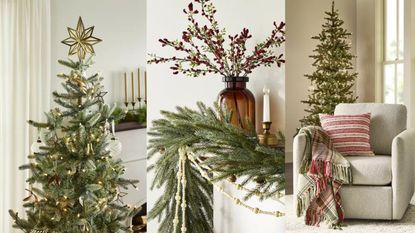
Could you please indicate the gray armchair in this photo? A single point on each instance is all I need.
(383, 185)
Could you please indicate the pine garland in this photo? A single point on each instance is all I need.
(221, 150)
(332, 81)
(237, 201)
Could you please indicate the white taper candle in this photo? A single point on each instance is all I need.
(113, 127)
(266, 117)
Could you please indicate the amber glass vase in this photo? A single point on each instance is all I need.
(238, 99)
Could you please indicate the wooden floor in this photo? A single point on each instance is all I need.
(288, 178)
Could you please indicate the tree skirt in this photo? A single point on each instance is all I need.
(405, 225)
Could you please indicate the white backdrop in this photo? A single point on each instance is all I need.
(165, 19)
(24, 93)
(121, 24)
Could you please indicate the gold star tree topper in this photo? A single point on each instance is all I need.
(80, 40)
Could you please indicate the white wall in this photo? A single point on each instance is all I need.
(368, 49)
(122, 27)
(165, 19)
(409, 60)
(304, 20)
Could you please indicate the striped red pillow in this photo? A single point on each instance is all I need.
(349, 133)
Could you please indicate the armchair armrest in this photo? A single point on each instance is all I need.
(299, 145)
(403, 152)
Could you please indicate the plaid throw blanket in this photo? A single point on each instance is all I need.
(322, 172)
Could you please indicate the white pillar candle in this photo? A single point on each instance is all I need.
(266, 117)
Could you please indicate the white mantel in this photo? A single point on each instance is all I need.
(133, 155)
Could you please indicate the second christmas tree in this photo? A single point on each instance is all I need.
(333, 79)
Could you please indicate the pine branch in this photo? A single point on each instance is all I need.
(227, 150)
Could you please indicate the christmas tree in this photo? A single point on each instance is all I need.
(75, 184)
(333, 79)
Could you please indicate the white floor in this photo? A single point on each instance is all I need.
(406, 225)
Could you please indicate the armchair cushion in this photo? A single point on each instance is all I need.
(369, 170)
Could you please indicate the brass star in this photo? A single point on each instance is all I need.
(80, 40)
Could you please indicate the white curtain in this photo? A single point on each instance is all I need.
(24, 93)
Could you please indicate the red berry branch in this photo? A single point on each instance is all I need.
(203, 47)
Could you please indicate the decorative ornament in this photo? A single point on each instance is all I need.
(114, 146)
(35, 148)
(100, 96)
(80, 40)
(89, 149)
(80, 82)
(55, 179)
(32, 198)
(107, 127)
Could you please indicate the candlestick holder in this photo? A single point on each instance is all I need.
(139, 102)
(126, 104)
(133, 104)
(145, 102)
(267, 138)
